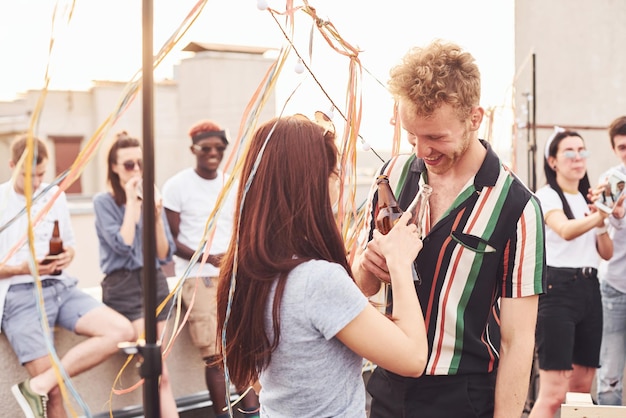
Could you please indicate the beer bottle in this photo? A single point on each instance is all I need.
(388, 209)
(56, 245)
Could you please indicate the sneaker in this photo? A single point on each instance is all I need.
(33, 404)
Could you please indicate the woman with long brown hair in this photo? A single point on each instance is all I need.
(291, 316)
(119, 225)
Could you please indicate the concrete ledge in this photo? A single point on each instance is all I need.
(94, 386)
(580, 405)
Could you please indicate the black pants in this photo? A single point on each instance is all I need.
(462, 396)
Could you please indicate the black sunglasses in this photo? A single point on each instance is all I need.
(130, 165)
(205, 149)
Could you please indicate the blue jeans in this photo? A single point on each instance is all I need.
(613, 351)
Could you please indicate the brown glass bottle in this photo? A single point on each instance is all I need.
(56, 245)
(388, 209)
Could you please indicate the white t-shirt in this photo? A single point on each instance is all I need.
(194, 198)
(313, 374)
(614, 270)
(579, 252)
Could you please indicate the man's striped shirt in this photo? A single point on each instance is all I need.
(489, 244)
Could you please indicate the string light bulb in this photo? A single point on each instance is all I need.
(365, 146)
(331, 112)
(261, 5)
(299, 68)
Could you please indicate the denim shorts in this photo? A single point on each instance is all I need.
(122, 290)
(569, 320)
(64, 303)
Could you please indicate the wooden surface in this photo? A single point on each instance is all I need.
(580, 405)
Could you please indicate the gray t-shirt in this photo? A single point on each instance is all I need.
(312, 374)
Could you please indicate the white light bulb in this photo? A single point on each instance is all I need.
(261, 5)
(365, 146)
(299, 68)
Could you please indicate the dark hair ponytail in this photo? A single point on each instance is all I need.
(583, 185)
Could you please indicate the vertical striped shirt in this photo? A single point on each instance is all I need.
(489, 244)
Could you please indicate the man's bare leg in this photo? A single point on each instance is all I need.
(106, 329)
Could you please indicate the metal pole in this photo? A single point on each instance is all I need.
(534, 126)
(151, 366)
(530, 155)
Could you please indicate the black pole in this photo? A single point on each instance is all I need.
(151, 366)
(530, 152)
(534, 125)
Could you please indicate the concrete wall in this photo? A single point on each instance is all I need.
(212, 85)
(580, 74)
(208, 85)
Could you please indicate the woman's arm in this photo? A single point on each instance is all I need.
(569, 229)
(398, 344)
(132, 213)
(365, 263)
(109, 220)
(604, 243)
(162, 243)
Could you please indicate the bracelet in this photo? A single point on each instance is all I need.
(601, 230)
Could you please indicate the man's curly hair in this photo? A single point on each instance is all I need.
(440, 73)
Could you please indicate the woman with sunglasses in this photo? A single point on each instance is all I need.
(119, 227)
(569, 319)
(297, 322)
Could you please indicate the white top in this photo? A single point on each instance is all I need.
(579, 252)
(11, 203)
(194, 198)
(614, 270)
(312, 374)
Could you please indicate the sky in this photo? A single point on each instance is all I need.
(102, 41)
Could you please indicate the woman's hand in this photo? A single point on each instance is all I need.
(402, 244)
(594, 194)
(158, 203)
(131, 189)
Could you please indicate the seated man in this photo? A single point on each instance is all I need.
(65, 305)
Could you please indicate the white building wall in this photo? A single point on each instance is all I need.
(209, 85)
(580, 73)
(212, 85)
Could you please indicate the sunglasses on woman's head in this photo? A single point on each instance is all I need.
(130, 165)
(321, 119)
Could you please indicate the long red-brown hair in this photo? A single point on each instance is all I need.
(285, 219)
